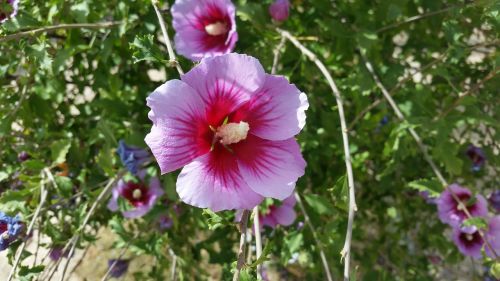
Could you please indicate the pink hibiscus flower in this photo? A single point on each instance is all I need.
(232, 126)
(279, 10)
(283, 214)
(204, 28)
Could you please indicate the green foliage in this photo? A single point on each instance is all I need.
(67, 96)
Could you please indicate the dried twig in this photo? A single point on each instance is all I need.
(315, 236)
(346, 250)
(241, 249)
(258, 239)
(34, 32)
(276, 52)
(168, 43)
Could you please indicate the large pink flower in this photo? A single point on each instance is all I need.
(204, 27)
(232, 126)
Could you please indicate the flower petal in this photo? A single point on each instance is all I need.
(275, 112)
(213, 181)
(225, 83)
(270, 168)
(115, 193)
(285, 215)
(179, 132)
(493, 236)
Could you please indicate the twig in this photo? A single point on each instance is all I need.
(277, 54)
(76, 237)
(43, 197)
(168, 43)
(258, 241)
(241, 250)
(346, 250)
(173, 276)
(34, 32)
(419, 17)
(422, 147)
(469, 92)
(315, 236)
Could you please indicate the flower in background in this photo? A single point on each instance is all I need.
(10, 228)
(165, 222)
(232, 126)
(494, 199)
(139, 196)
(453, 214)
(427, 197)
(8, 9)
(132, 157)
(469, 240)
(279, 10)
(283, 214)
(204, 28)
(23, 156)
(476, 155)
(56, 252)
(117, 267)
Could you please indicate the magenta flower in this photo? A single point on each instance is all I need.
(204, 28)
(476, 155)
(284, 214)
(8, 9)
(140, 197)
(469, 240)
(451, 213)
(279, 10)
(233, 127)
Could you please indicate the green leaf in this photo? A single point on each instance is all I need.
(477, 222)
(214, 221)
(432, 186)
(319, 204)
(3, 176)
(495, 270)
(263, 257)
(59, 151)
(146, 50)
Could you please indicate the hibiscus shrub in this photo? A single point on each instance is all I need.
(112, 131)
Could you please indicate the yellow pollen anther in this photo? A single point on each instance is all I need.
(216, 28)
(232, 132)
(137, 194)
(461, 207)
(5, 236)
(469, 237)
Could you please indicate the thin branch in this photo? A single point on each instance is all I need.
(76, 237)
(422, 147)
(241, 250)
(419, 17)
(34, 32)
(258, 241)
(276, 52)
(473, 89)
(346, 250)
(173, 276)
(43, 197)
(168, 43)
(326, 267)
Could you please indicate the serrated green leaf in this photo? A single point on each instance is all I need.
(432, 186)
(146, 50)
(59, 149)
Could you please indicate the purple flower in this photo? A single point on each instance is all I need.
(469, 240)
(279, 10)
(494, 199)
(232, 127)
(204, 28)
(165, 222)
(451, 213)
(284, 214)
(118, 267)
(10, 228)
(57, 252)
(427, 197)
(8, 9)
(132, 157)
(23, 156)
(140, 197)
(476, 155)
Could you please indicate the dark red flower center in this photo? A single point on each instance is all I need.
(6, 9)
(136, 194)
(471, 239)
(465, 199)
(3, 227)
(215, 25)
